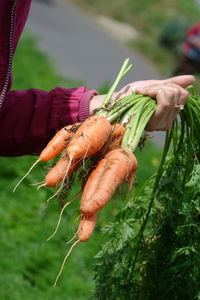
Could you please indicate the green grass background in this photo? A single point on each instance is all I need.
(28, 263)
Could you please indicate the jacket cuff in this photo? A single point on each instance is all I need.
(84, 105)
(69, 106)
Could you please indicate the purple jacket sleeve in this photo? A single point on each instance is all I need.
(28, 119)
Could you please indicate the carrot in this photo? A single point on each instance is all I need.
(93, 180)
(85, 230)
(118, 130)
(54, 147)
(130, 178)
(116, 167)
(86, 227)
(115, 143)
(58, 142)
(59, 172)
(89, 138)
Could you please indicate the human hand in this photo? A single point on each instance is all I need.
(168, 93)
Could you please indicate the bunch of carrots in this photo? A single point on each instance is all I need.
(121, 125)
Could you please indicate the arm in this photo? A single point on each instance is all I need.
(28, 119)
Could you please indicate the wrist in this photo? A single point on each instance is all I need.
(84, 104)
(95, 103)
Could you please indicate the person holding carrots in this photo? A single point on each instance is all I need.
(29, 118)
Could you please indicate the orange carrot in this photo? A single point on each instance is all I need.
(85, 230)
(115, 138)
(86, 227)
(118, 130)
(115, 143)
(89, 138)
(59, 171)
(54, 147)
(58, 142)
(117, 166)
(93, 179)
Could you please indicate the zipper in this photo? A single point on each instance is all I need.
(10, 57)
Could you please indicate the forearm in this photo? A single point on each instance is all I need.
(28, 119)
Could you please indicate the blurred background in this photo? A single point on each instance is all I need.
(151, 34)
(70, 43)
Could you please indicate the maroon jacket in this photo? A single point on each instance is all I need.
(29, 118)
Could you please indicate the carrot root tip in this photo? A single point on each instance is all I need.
(62, 183)
(41, 185)
(35, 163)
(63, 264)
(37, 183)
(61, 213)
(59, 220)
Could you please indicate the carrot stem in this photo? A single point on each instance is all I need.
(124, 70)
(116, 113)
(138, 123)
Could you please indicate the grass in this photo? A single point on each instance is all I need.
(150, 19)
(32, 68)
(29, 264)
